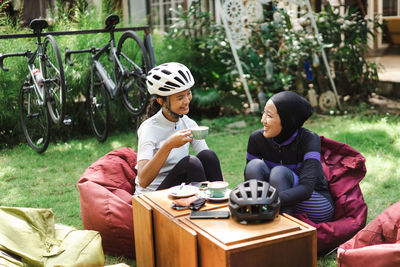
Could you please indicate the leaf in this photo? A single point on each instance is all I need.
(205, 98)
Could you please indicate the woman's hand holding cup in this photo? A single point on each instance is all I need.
(180, 138)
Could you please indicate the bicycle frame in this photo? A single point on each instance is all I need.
(112, 85)
(31, 67)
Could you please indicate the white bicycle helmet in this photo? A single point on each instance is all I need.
(168, 79)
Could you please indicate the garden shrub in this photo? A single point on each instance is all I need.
(277, 56)
(196, 41)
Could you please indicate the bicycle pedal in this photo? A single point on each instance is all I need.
(67, 120)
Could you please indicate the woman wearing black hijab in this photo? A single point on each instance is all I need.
(288, 157)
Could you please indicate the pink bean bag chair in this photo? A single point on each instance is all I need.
(378, 244)
(344, 168)
(105, 189)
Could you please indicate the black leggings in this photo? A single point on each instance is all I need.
(280, 177)
(203, 167)
(318, 208)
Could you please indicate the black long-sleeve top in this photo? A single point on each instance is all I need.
(301, 154)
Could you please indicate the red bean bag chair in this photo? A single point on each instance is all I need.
(105, 189)
(378, 244)
(344, 168)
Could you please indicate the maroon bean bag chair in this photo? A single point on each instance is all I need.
(344, 168)
(105, 189)
(377, 244)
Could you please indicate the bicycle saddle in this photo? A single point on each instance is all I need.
(111, 21)
(38, 24)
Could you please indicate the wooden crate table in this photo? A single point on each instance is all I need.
(168, 237)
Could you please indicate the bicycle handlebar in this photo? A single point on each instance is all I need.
(68, 53)
(2, 57)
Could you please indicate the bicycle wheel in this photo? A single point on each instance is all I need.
(133, 57)
(53, 73)
(98, 106)
(34, 116)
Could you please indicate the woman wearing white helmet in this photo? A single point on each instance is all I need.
(164, 138)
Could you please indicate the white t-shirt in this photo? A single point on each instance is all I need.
(152, 133)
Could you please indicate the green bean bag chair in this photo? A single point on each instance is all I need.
(29, 237)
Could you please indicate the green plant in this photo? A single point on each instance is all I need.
(196, 41)
(348, 36)
(280, 54)
(11, 82)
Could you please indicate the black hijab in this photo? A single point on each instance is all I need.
(293, 111)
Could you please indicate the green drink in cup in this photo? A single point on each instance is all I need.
(217, 189)
(199, 132)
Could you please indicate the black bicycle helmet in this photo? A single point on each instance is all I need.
(254, 200)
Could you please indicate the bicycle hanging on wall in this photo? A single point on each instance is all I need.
(42, 95)
(130, 64)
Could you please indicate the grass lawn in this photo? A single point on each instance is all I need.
(28, 179)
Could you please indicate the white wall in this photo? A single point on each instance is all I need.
(138, 12)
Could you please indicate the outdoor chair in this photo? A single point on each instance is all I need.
(105, 189)
(378, 244)
(344, 168)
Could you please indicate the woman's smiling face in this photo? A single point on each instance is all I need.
(271, 120)
(180, 102)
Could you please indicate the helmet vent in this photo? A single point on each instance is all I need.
(166, 72)
(248, 193)
(254, 209)
(157, 77)
(179, 80)
(172, 84)
(164, 89)
(183, 75)
(150, 82)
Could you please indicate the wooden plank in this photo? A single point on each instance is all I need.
(176, 244)
(224, 242)
(143, 230)
(230, 232)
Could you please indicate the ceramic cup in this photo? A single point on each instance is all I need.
(199, 132)
(217, 189)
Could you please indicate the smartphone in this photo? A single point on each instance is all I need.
(209, 214)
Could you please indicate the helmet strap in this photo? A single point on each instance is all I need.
(167, 109)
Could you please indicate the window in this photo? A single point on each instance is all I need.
(161, 13)
(390, 8)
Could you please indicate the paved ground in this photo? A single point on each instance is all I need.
(390, 61)
(389, 74)
(390, 71)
